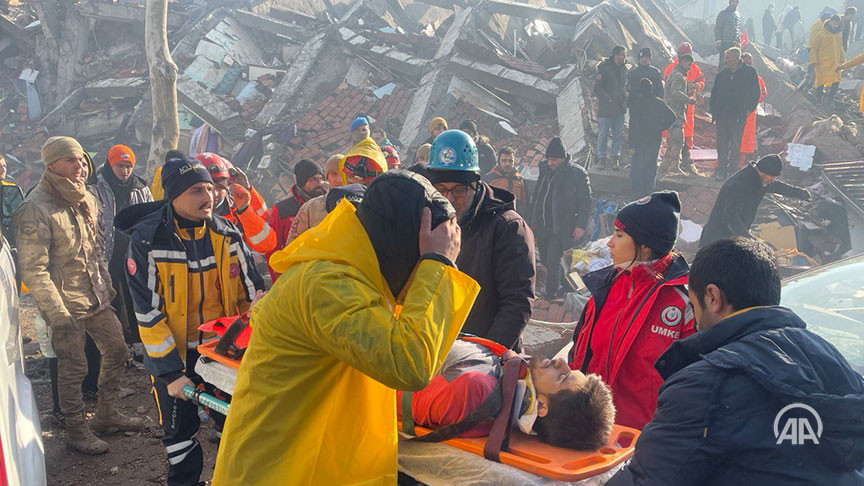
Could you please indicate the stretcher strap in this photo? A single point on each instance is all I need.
(499, 437)
(407, 414)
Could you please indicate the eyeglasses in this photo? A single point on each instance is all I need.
(458, 192)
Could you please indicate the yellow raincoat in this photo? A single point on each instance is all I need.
(826, 49)
(367, 148)
(315, 399)
(856, 61)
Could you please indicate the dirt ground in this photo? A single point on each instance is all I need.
(136, 459)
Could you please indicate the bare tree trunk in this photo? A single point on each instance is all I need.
(163, 84)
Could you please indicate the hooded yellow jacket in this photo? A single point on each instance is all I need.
(367, 148)
(315, 399)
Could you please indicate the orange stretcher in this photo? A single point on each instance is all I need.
(208, 350)
(529, 454)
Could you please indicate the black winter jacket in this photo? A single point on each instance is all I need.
(498, 252)
(737, 203)
(611, 88)
(726, 386)
(735, 94)
(649, 117)
(639, 73)
(562, 200)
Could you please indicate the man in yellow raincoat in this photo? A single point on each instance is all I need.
(855, 61)
(369, 302)
(826, 51)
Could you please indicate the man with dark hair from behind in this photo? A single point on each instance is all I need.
(751, 370)
(565, 407)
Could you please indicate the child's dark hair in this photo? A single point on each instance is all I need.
(579, 419)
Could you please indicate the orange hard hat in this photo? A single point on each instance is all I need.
(685, 48)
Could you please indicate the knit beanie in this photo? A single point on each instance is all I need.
(555, 149)
(59, 147)
(652, 221)
(645, 52)
(181, 174)
(352, 192)
(469, 125)
(120, 153)
(770, 164)
(305, 170)
(359, 122)
(437, 121)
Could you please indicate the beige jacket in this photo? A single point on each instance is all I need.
(310, 214)
(61, 259)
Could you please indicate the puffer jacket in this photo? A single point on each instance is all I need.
(727, 28)
(139, 194)
(158, 272)
(498, 252)
(722, 416)
(60, 259)
(611, 88)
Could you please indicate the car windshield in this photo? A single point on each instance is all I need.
(831, 302)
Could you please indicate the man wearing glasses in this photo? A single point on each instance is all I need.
(497, 245)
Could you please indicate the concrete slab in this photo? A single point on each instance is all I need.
(533, 12)
(571, 105)
(116, 88)
(261, 23)
(516, 82)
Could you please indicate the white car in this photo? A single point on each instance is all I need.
(22, 455)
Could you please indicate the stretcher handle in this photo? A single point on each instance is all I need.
(206, 399)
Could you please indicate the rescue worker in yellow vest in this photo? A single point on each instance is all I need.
(185, 267)
(369, 302)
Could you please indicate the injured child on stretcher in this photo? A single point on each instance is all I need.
(563, 407)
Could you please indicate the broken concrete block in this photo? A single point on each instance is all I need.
(116, 88)
(205, 106)
(262, 23)
(510, 80)
(533, 12)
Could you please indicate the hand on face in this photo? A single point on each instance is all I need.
(445, 239)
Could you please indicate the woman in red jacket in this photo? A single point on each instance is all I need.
(639, 306)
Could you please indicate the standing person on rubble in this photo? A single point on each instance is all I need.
(117, 188)
(649, 116)
(485, 153)
(748, 140)
(308, 184)
(506, 176)
(734, 96)
(185, 267)
(497, 244)
(314, 211)
(644, 70)
(739, 198)
(437, 126)
(314, 401)
(826, 52)
(848, 20)
(559, 212)
(156, 188)
(236, 202)
(638, 307)
(727, 30)
(679, 98)
(696, 81)
(769, 26)
(359, 129)
(62, 261)
(611, 91)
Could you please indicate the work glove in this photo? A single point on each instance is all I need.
(241, 197)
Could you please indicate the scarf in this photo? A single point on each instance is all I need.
(122, 189)
(74, 194)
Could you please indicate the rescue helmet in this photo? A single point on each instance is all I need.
(454, 150)
(392, 156)
(685, 48)
(215, 165)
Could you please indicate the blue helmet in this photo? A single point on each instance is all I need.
(453, 150)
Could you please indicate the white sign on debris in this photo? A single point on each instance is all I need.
(800, 156)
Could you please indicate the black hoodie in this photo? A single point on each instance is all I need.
(722, 411)
(390, 212)
(498, 252)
